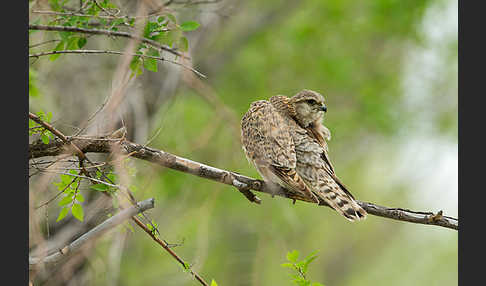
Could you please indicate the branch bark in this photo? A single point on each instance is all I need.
(241, 182)
(93, 233)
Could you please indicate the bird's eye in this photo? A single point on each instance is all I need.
(311, 101)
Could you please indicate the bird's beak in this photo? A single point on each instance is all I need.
(324, 108)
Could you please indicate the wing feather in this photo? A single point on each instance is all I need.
(268, 143)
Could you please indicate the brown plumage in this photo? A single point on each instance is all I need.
(285, 139)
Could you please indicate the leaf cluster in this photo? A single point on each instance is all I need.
(69, 186)
(300, 267)
(36, 128)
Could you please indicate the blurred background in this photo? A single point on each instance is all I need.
(388, 71)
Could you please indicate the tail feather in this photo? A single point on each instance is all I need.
(292, 180)
(340, 201)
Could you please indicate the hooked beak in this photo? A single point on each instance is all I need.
(324, 108)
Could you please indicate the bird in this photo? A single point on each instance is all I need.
(286, 141)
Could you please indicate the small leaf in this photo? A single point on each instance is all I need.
(66, 200)
(112, 177)
(311, 255)
(189, 26)
(81, 42)
(150, 64)
(78, 212)
(99, 187)
(45, 138)
(79, 198)
(293, 256)
(300, 264)
(72, 43)
(149, 28)
(287, 265)
(213, 283)
(33, 90)
(65, 34)
(62, 214)
(59, 47)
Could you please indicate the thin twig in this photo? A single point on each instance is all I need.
(43, 43)
(114, 53)
(167, 248)
(54, 13)
(226, 177)
(57, 195)
(109, 33)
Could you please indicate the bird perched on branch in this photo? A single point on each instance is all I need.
(286, 141)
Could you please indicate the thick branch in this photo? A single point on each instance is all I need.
(108, 33)
(94, 233)
(102, 145)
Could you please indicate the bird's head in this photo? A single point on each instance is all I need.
(309, 106)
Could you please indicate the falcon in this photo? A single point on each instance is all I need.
(286, 141)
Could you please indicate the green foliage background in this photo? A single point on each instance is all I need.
(356, 54)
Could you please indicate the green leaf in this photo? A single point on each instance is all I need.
(186, 266)
(78, 212)
(45, 138)
(317, 284)
(72, 43)
(213, 283)
(65, 35)
(54, 5)
(62, 214)
(293, 256)
(149, 28)
(150, 64)
(66, 200)
(33, 90)
(287, 265)
(189, 26)
(99, 187)
(112, 177)
(59, 47)
(81, 42)
(79, 198)
(306, 263)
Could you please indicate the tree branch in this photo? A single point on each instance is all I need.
(101, 145)
(108, 33)
(94, 233)
(113, 53)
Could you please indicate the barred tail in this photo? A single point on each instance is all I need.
(340, 201)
